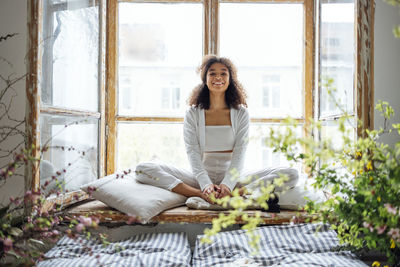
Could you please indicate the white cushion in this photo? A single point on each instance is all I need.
(134, 198)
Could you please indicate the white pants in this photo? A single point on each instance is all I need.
(216, 164)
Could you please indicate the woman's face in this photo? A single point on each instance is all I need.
(217, 78)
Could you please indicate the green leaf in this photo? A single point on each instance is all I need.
(12, 253)
(396, 31)
(36, 242)
(15, 231)
(335, 189)
(393, 2)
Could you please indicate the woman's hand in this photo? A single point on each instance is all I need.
(211, 189)
(223, 191)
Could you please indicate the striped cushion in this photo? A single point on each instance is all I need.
(156, 249)
(285, 245)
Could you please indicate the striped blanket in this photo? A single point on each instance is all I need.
(284, 245)
(155, 249)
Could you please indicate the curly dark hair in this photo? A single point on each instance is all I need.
(235, 95)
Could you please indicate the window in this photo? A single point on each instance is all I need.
(271, 92)
(336, 64)
(69, 81)
(118, 73)
(160, 46)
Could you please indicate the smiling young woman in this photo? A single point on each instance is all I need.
(216, 129)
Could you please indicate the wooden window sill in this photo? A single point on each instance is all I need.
(180, 214)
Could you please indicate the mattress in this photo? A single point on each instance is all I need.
(283, 245)
(154, 249)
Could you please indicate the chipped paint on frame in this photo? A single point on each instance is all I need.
(364, 93)
(309, 61)
(32, 92)
(111, 84)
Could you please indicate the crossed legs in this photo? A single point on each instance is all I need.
(183, 182)
(166, 176)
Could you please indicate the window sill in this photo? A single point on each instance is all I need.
(64, 200)
(180, 214)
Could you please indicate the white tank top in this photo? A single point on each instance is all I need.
(219, 138)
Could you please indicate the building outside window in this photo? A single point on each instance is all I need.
(271, 91)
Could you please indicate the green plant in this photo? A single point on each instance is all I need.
(363, 178)
(24, 238)
(396, 29)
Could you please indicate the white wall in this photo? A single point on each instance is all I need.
(387, 63)
(13, 19)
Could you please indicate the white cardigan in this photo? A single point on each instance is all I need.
(194, 137)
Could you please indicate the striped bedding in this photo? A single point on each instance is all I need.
(284, 245)
(155, 249)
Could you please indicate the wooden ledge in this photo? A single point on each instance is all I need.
(180, 214)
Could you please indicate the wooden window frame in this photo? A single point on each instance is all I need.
(363, 78)
(34, 107)
(363, 88)
(211, 46)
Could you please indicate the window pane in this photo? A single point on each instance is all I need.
(160, 46)
(259, 155)
(71, 51)
(72, 145)
(330, 131)
(138, 142)
(266, 44)
(336, 57)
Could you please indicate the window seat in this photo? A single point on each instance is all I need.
(180, 214)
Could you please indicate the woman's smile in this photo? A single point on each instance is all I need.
(218, 84)
(218, 77)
